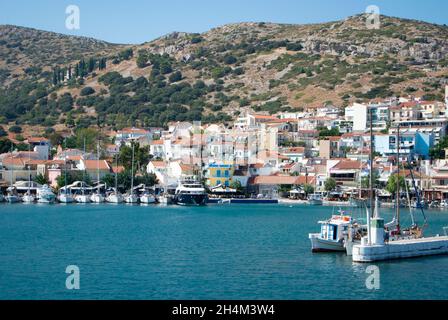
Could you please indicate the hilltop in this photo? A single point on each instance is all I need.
(50, 79)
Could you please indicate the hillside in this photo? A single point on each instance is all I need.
(216, 75)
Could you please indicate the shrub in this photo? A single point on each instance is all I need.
(87, 91)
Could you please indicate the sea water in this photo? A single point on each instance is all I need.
(225, 251)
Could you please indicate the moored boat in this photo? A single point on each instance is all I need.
(45, 195)
(190, 193)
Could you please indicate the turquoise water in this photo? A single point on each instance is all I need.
(213, 252)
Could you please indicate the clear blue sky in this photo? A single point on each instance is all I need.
(137, 21)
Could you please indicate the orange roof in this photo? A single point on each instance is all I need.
(157, 142)
(158, 164)
(294, 150)
(348, 164)
(264, 117)
(95, 164)
(36, 139)
(133, 130)
(118, 169)
(283, 180)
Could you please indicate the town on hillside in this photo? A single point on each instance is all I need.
(289, 156)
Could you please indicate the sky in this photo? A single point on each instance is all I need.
(138, 21)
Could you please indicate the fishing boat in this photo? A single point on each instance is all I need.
(315, 199)
(190, 192)
(45, 195)
(390, 241)
(332, 234)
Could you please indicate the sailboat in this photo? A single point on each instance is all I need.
(97, 197)
(12, 195)
(28, 197)
(389, 241)
(115, 196)
(65, 195)
(132, 198)
(83, 197)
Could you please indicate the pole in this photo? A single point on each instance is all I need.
(371, 165)
(397, 198)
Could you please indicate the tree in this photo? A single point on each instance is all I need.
(307, 188)
(438, 151)
(365, 181)
(15, 129)
(3, 133)
(141, 157)
(330, 184)
(87, 91)
(391, 186)
(236, 184)
(41, 179)
(175, 77)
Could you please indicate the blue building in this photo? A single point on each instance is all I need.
(416, 144)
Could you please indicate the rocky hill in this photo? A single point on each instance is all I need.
(49, 79)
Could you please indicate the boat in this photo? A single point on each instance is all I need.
(65, 194)
(115, 197)
(28, 197)
(132, 197)
(148, 198)
(83, 197)
(2, 197)
(45, 195)
(97, 197)
(11, 193)
(190, 193)
(315, 199)
(387, 242)
(12, 196)
(332, 235)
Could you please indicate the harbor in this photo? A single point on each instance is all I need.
(211, 252)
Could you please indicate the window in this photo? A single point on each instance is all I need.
(218, 182)
(218, 173)
(226, 173)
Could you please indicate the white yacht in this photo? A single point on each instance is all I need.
(97, 198)
(45, 195)
(147, 198)
(115, 197)
(190, 193)
(131, 198)
(82, 198)
(65, 197)
(28, 198)
(12, 195)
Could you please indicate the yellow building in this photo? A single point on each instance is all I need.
(220, 174)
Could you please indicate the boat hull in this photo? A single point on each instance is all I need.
(82, 199)
(321, 245)
(191, 199)
(97, 198)
(28, 199)
(12, 199)
(315, 202)
(147, 199)
(401, 249)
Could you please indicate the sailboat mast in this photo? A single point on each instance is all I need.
(98, 163)
(84, 171)
(65, 166)
(132, 171)
(371, 165)
(397, 198)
